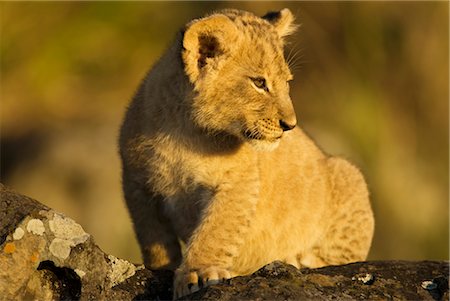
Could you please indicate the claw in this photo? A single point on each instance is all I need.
(194, 288)
(188, 282)
(212, 281)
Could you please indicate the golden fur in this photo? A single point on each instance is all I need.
(210, 158)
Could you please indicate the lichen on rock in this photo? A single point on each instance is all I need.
(80, 273)
(60, 248)
(67, 229)
(18, 233)
(35, 226)
(67, 235)
(120, 270)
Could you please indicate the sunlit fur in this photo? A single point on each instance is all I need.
(196, 167)
(225, 82)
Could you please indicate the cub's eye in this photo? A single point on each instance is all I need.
(260, 83)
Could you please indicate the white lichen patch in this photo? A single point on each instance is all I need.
(364, 278)
(120, 270)
(66, 228)
(429, 285)
(60, 248)
(18, 233)
(67, 235)
(80, 273)
(36, 226)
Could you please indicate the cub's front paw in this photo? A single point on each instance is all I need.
(187, 280)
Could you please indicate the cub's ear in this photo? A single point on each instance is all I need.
(205, 40)
(283, 21)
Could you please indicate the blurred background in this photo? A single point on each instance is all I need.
(371, 85)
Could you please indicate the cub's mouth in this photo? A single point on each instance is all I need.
(263, 135)
(260, 141)
(265, 129)
(253, 134)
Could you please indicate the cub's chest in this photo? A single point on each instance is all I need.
(179, 168)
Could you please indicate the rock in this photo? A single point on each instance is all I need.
(381, 280)
(45, 255)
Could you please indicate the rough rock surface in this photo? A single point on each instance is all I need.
(382, 280)
(45, 255)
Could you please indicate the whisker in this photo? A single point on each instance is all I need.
(295, 59)
(293, 53)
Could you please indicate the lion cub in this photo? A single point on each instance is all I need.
(211, 156)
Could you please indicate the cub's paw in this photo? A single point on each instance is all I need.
(187, 280)
(213, 275)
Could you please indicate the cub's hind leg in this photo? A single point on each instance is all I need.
(351, 224)
(159, 244)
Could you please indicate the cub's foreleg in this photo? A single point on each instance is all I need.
(350, 230)
(219, 236)
(159, 244)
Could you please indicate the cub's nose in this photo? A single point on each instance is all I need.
(287, 126)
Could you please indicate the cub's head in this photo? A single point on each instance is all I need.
(235, 62)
